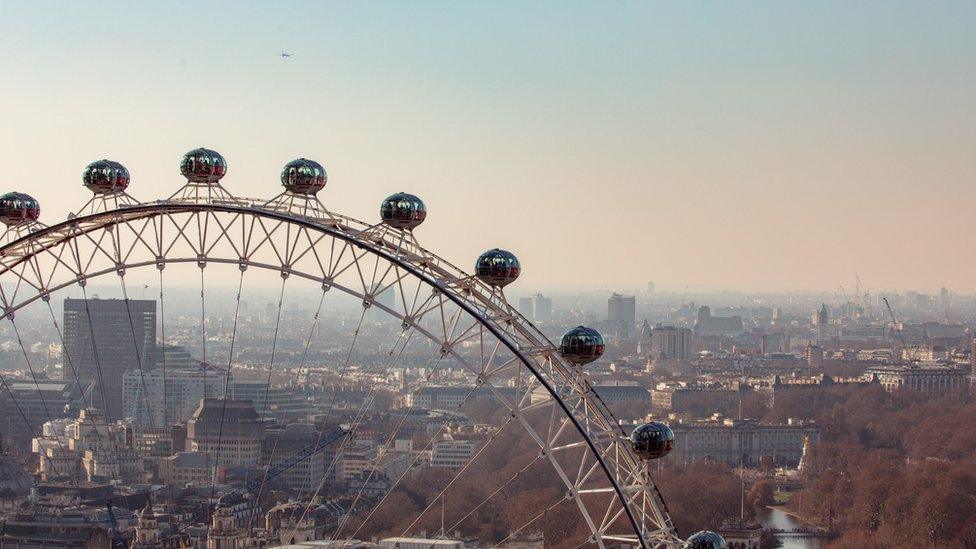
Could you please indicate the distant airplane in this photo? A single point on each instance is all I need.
(283, 55)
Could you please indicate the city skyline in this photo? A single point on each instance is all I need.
(792, 155)
(580, 275)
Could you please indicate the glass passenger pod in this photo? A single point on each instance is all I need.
(582, 345)
(403, 211)
(498, 267)
(17, 208)
(203, 166)
(705, 540)
(105, 176)
(652, 440)
(303, 176)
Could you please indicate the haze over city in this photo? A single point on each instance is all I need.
(321, 275)
(749, 145)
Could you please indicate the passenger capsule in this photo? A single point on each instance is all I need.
(652, 440)
(498, 267)
(403, 211)
(105, 176)
(705, 540)
(17, 208)
(582, 345)
(303, 176)
(203, 166)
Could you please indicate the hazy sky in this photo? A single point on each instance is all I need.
(737, 144)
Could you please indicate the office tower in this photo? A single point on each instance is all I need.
(41, 402)
(116, 338)
(252, 391)
(704, 315)
(822, 316)
(175, 357)
(541, 308)
(708, 325)
(670, 342)
(283, 443)
(229, 431)
(537, 308)
(622, 315)
(184, 387)
(281, 403)
(650, 288)
(386, 297)
(815, 357)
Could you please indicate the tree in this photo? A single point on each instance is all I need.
(761, 494)
(892, 470)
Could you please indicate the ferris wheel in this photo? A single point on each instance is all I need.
(599, 473)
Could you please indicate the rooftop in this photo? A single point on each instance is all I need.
(226, 410)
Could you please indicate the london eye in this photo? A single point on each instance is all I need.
(575, 461)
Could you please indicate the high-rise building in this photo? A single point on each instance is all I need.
(670, 343)
(822, 316)
(651, 288)
(252, 391)
(622, 315)
(281, 444)
(541, 308)
(104, 338)
(386, 297)
(39, 403)
(166, 397)
(175, 357)
(229, 431)
(708, 325)
(815, 357)
(537, 308)
(285, 404)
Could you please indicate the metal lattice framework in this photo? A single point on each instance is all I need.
(466, 320)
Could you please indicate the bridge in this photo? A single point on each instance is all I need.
(811, 533)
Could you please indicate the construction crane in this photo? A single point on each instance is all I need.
(901, 336)
(118, 542)
(863, 294)
(840, 292)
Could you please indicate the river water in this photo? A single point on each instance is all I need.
(776, 518)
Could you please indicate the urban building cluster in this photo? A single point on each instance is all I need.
(176, 447)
